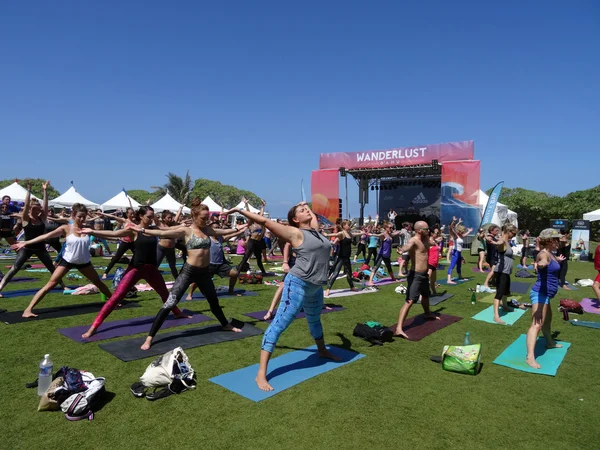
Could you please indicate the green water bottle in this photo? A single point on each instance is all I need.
(473, 298)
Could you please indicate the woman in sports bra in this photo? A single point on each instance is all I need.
(34, 217)
(76, 255)
(255, 242)
(303, 286)
(142, 266)
(195, 270)
(125, 241)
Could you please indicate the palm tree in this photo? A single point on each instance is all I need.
(178, 188)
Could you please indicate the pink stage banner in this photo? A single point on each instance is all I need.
(325, 193)
(408, 156)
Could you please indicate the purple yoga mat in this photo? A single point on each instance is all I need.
(128, 327)
(388, 281)
(23, 279)
(417, 327)
(476, 269)
(301, 315)
(591, 305)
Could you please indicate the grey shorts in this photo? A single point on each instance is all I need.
(222, 270)
(418, 285)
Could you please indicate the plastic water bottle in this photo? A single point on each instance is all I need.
(45, 375)
(473, 298)
(467, 340)
(478, 288)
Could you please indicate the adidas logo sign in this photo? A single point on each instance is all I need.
(420, 199)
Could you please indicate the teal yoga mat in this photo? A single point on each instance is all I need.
(549, 359)
(585, 323)
(285, 371)
(487, 315)
(456, 280)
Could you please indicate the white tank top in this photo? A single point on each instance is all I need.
(458, 244)
(77, 249)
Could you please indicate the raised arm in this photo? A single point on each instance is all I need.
(45, 204)
(27, 204)
(112, 217)
(285, 232)
(178, 215)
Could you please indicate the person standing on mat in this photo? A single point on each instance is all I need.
(405, 235)
(142, 266)
(459, 232)
(372, 232)
(362, 245)
(76, 255)
(481, 250)
(166, 247)
(503, 270)
(385, 251)
(433, 259)
(125, 241)
(7, 223)
(33, 219)
(303, 286)
(343, 259)
(564, 250)
(525, 249)
(492, 255)
(544, 289)
(418, 280)
(255, 242)
(195, 270)
(596, 285)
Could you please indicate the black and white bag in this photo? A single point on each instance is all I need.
(80, 406)
(169, 374)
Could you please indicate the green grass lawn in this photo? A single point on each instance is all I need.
(394, 398)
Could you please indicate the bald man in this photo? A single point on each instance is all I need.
(418, 280)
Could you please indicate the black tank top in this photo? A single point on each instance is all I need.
(144, 250)
(6, 221)
(32, 231)
(345, 248)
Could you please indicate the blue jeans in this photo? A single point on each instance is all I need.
(456, 261)
(297, 295)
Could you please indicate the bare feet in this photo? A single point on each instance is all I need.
(104, 276)
(498, 320)
(183, 316)
(400, 332)
(89, 333)
(189, 297)
(263, 384)
(1, 296)
(327, 354)
(230, 327)
(269, 315)
(567, 288)
(326, 293)
(147, 343)
(532, 362)
(28, 314)
(431, 316)
(450, 282)
(327, 307)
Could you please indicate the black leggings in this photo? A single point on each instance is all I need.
(55, 244)
(386, 261)
(181, 246)
(169, 253)
(24, 254)
(121, 249)
(373, 253)
(188, 275)
(340, 262)
(564, 267)
(361, 249)
(253, 247)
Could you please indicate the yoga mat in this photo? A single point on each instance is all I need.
(476, 269)
(301, 315)
(456, 280)
(223, 294)
(490, 298)
(585, 323)
(519, 287)
(129, 349)
(129, 327)
(591, 305)
(437, 299)
(59, 311)
(528, 267)
(571, 287)
(336, 293)
(166, 265)
(22, 279)
(386, 282)
(285, 371)
(487, 315)
(549, 359)
(417, 327)
(25, 292)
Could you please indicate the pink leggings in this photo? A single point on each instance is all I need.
(132, 275)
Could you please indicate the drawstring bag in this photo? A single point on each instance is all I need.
(462, 358)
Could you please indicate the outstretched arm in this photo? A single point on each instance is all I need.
(170, 233)
(123, 232)
(285, 232)
(112, 217)
(60, 231)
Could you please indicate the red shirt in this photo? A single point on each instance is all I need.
(434, 255)
(597, 258)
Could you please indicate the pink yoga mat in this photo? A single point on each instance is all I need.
(591, 305)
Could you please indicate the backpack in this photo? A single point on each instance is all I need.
(251, 279)
(571, 305)
(80, 405)
(373, 332)
(169, 374)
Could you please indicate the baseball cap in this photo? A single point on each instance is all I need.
(550, 233)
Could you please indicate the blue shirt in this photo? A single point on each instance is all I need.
(373, 241)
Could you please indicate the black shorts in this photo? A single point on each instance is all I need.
(534, 254)
(502, 285)
(222, 270)
(6, 234)
(524, 252)
(70, 266)
(418, 284)
(406, 257)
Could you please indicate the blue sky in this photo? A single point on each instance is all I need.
(118, 93)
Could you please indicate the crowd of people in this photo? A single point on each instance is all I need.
(313, 257)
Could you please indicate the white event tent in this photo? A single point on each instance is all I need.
(592, 216)
(119, 201)
(168, 203)
(241, 205)
(212, 205)
(70, 197)
(16, 192)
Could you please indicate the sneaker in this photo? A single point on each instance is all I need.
(138, 390)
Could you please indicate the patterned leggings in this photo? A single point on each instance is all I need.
(148, 272)
(188, 275)
(297, 295)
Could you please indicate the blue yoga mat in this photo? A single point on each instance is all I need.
(571, 287)
(285, 371)
(519, 288)
(25, 292)
(549, 359)
(585, 323)
(456, 280)
(529, 267)
(487, 315)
